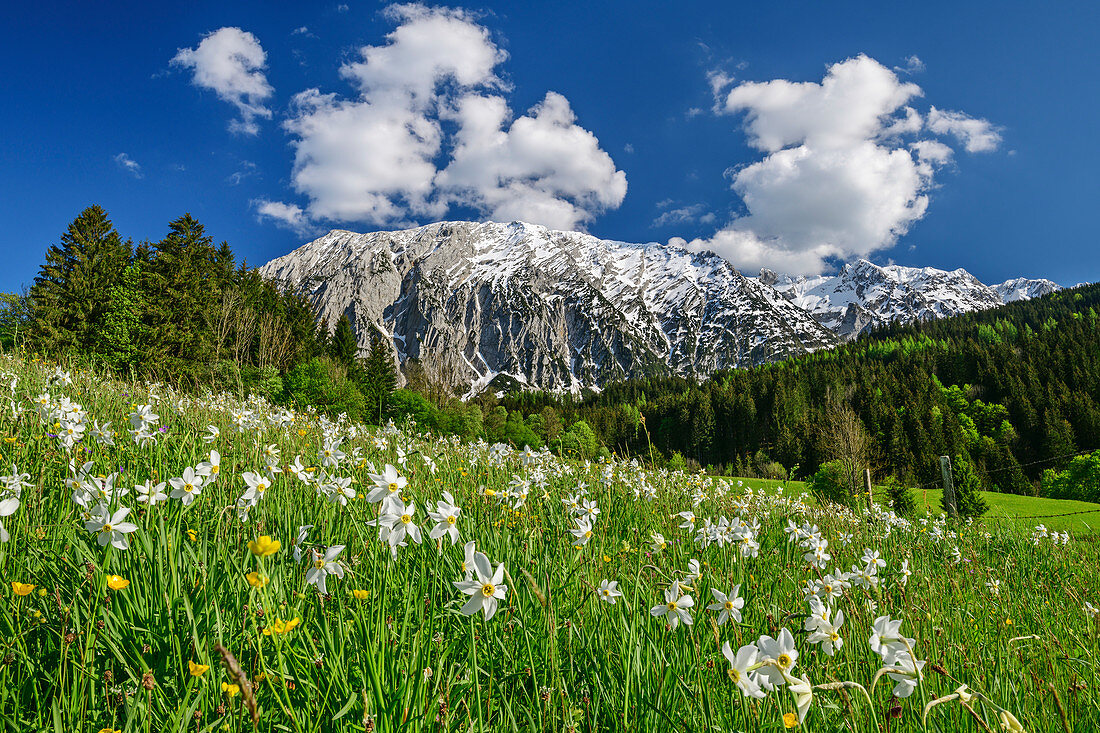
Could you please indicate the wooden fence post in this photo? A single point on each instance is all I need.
(948, 487)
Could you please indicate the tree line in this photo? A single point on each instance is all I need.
(1011, 391)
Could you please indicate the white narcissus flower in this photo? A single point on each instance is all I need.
(388, 486)
(781, 655)
(730, 606)
(826, 631)
(210, 468)
(111, 528)
(740, 670)
(150, 493)
(609, 591)
(399, 524)
(909, 675)
(468, 553)
(582, 532)
(675, 608)
(256, 486)
(299, 471)
(445, 515)
(658, 542)
(484, 587)
(186, 487)
(143, 416)
(331, 455)
(324, 566)
(212, 434)
(886, 636)
(303, 531)
(803, 693)
(8, 507)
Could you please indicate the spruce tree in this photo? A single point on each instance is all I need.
(180, 288)
(344, 347)
(968, 500)
(72, 292)
(380, 377)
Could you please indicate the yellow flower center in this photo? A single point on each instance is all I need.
(784, 661)
(320, 563)
(735, 674)
(451, 519)
(405, 519)
(729, 605)
(672, 605)
(488, 589)
(834, 636)
(188, 488)
(393, 487)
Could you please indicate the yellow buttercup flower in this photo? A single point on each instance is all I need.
(790, 720)
(109, 730)
(278, 626)
(197, 670)
(256, 580)
(229, 689)
(191, 535)
(22, 589)
(264, 546)
(361, 595)
(117, 582)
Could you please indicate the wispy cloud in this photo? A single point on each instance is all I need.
(128, 164)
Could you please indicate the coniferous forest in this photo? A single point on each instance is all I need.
(1015, 391)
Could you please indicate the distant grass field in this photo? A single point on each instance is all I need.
(1002, 507)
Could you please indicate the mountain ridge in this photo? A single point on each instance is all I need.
(479, 302)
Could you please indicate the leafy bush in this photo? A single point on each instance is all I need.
(1080, 480)
(323, 383)
(404, 402)
(830, 484)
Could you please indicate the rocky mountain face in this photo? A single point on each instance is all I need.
(863, 295)
(487, 305)
(478, 303)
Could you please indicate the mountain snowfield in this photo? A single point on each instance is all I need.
(863, 295)
(482, 304)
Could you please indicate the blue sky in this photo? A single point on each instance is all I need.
(774, 133)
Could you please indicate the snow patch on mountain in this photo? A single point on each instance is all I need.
(863, 295)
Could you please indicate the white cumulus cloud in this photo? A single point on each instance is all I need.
(289, 216)
(977, 135)
(230, 62)
(842, 176)
(429, 129)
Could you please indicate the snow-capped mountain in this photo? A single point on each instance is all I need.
(1021, 288)
(550, 309)
(863, 295)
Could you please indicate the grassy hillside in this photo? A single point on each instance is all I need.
(316, 555)
(1012, 508)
